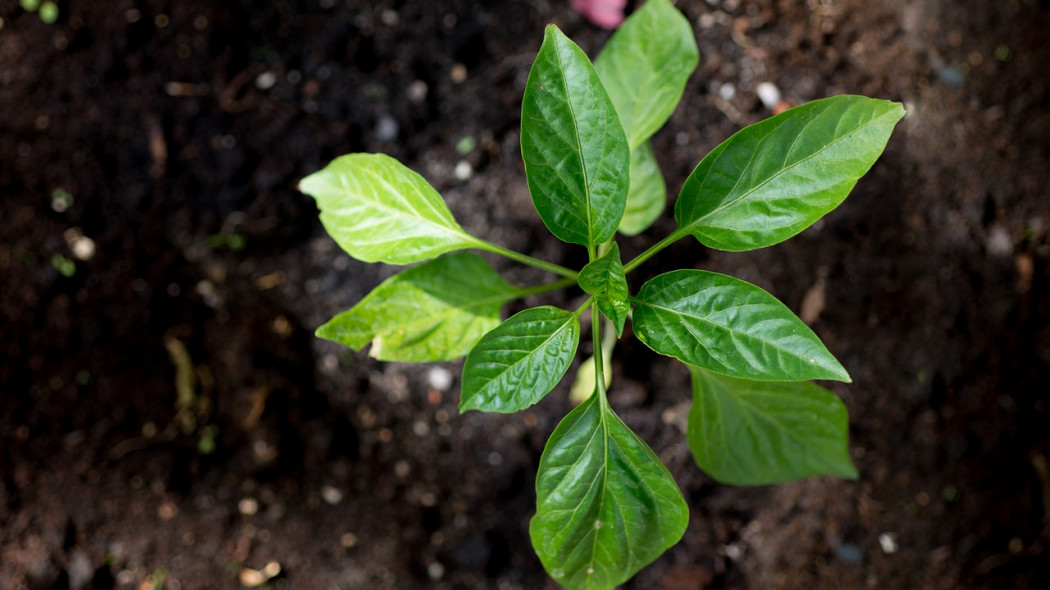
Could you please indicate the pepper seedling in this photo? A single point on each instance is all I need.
(606, 505)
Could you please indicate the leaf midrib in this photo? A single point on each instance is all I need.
(546, 342)
(579, 144)
(727, 203)
(449, 227)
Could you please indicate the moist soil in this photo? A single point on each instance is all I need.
(168, 419)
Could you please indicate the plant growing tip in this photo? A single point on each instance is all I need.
(606, 505)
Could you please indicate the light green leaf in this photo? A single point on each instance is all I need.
(520, 361)
(648, 193)
(773, 179)
(746, 432)
(575, 152)
(731, 327)
(606, 505)
(378, 210)
(645, 66)
(603, 277)
(433, 312)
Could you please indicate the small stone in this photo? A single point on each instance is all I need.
(463, 170)
(248, 506)
(331, 495)
(458, 74)
(998, 242)
(727, 91)
(888, 542)
(439, 378)
(769, 94)
(265, 80)
(386, 128)
(416, 91)
(850, 553)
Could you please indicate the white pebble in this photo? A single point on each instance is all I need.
(439, 378)
(386, 128)
(331, 494)
(769, 94)
(463, 170)
(727, 91)
(265, 80)
(888, 542)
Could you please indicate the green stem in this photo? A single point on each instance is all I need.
(526, 259)
(599, 358)
(579, 310)
(670, 239)
(537, 289)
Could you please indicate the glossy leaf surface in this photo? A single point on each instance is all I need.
(603, 277)
(647, 195)
(378, 210)
(576, 155)
(645, 66)
(775, 178)
(606, 505)
(433, 312)
(746, 432)
(520, 361)
(729, 326)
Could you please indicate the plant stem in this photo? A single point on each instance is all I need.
(526, 259)
(670, 239)
(581, 308)
(537, 289)
(599, 358)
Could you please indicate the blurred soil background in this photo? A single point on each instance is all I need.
(167, 418)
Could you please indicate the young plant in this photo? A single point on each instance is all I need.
(606, 505)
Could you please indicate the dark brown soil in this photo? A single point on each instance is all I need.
(180, 129)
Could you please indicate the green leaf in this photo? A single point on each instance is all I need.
(606, 505)
(647, 195)
(645, 66)
(520, 361)
(603, 277)
(378, 210)
(731, 327)
(575, 152)
(433, 312)
(746, 432)
(773, 179)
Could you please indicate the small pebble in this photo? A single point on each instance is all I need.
(888, 542)
(769, 94)
(331, 494)
(265, 80)
(439, 378)
(727, 91)
(386, 128)
(248, 506)
(998, 242)
(463, 170)
(850, 553)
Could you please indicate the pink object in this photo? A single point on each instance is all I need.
(607, 14)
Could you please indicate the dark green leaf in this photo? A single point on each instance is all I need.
(519, 362)
(731, 327)
(575, 152)
(645, 66)
(647, 195)
(604, 278)
(606, 505)
(773, 179)
(433, 312)
(380, 211)
(746, 432)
